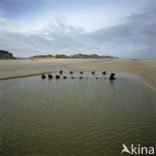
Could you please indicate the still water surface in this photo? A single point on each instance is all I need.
(73, 117)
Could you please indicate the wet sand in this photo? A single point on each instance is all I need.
(26, 67)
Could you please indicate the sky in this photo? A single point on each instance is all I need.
(121, 28)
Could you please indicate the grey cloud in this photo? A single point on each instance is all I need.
(52, 39)
(135, 38)
(137, 33)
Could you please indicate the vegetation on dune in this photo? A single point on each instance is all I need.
(72, 56)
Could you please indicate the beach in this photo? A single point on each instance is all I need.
(84, 115)
(27, 67)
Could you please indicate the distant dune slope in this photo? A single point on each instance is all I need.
(6, 55)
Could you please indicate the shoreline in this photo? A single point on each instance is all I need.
(146, 68)
(25, 76)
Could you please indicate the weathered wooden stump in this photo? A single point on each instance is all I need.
(104, 72)
(93, 72)
(61, 72)
(43, 76)
(57, 77)
(50, 76)
(112, 76)
(71, 72)
(81, 72)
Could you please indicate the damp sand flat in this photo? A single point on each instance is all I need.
(85, 117)
(16, 68)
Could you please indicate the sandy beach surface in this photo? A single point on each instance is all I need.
(26, 67)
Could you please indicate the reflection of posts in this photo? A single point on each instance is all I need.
(43, 76)
(112, 76)
(50, 76)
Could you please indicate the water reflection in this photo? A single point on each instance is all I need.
(75, 117)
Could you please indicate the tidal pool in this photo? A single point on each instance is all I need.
(74, 117)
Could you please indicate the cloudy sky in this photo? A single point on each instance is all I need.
(123, 28)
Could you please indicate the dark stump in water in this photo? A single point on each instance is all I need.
(81, 72)
(61, 72)
(93, 72)
(50, 76)
(80, 77)
(112, 76)
(104, 72)
(43, 76)
(72, 77)
(57, 77)
(64, 77)
(71, 72)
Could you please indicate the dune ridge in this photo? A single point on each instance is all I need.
(71, 56)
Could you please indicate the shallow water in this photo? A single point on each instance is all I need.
(73, 117)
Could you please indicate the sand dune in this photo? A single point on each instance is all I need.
(18, 68)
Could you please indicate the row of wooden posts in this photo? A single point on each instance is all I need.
(43, 76)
